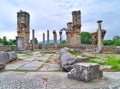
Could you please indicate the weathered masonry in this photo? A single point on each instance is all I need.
(23, 27)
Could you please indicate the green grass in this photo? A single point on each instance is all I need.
(25, 71)
(99, 61)
(40, 60)
(114, 62)
(28, 54)
(75, 53)
(48, 52)
(110, 60)
(47, 61)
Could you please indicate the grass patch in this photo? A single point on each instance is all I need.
(110, 60)
(99, 61)
(114, 62)
(40, 60)
(47, 61)
(48, 52)
(28, 55)
(75, 53)
(25, 71)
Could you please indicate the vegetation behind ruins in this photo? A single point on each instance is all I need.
(4, 41)
(85, 39)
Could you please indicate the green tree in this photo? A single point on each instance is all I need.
(86, 37)
(63, 42)
(115, 41)
(116, 37)
(12, 42)
(5, 42)
(1, 40)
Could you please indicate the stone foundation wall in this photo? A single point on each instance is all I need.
(7, 48)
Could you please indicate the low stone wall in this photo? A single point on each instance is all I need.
(84, 46)
(7, 48)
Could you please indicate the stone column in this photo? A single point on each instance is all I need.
(55, 38)
(33, 37)
(20, 43)
(48, 39)
(99, 49)
(43, 46)
(60, 33)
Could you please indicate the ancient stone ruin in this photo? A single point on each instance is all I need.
(73, 29)
(97, 37)
(23, 27)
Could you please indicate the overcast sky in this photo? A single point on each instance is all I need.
(54, 14)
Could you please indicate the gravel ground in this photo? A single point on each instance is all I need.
(54, 80)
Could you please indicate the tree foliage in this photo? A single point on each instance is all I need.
(115, 41)
(4, 41)
(86, 37)
(63, 42)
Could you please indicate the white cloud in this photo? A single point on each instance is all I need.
(9, 35)
(54, 14)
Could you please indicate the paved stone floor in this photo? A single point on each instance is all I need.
(35, 61)
(42, 70)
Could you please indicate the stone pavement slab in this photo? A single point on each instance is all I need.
(44, 59)
(35, 65)
(50, 67)
(13, 66)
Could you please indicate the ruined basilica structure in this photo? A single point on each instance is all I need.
(73, 29)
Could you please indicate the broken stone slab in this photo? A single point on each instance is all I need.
(85, 72)
(87, 55)
(2, 66)
(82, 59)
(117, 49)
(6, 57)
(12, 56)
(68, 60)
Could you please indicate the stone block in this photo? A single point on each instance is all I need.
(85, 72)
(12, 56)
(67, 60)
(6, 57)
(117, 49)
(2, 66)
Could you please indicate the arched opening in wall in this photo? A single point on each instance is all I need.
(63, 38)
